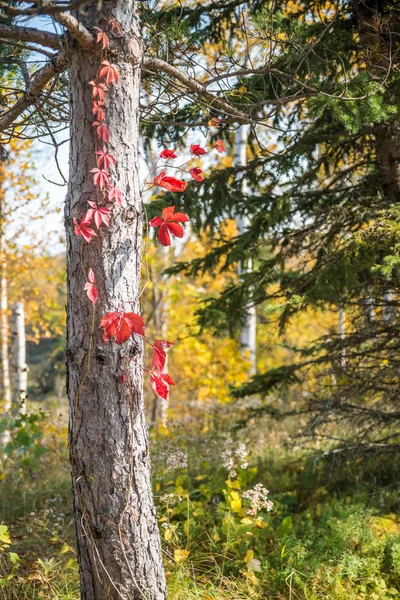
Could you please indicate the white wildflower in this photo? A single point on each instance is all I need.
(258, 497)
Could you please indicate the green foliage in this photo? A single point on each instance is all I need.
(323, 539)
(24, 447)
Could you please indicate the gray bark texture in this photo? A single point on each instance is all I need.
(117, 535)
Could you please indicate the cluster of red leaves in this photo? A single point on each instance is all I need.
(122, 325)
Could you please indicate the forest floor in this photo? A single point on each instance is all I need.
(325, 538)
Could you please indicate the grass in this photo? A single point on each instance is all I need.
(325, 539)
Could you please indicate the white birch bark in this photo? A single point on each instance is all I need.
(19, 368)
(5, 368)
(249, 329)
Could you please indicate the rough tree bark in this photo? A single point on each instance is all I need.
(249, 329)
(19, 369)
(117, 535)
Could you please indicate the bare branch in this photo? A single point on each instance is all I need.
(30, 34)
(195, 86)
(74, 27)
(42, 8)
(38, 82)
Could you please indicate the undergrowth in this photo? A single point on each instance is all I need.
(325, 538)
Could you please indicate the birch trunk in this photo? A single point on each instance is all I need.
(117, 535)
(5, 368)
(249, 328)
(19, 368)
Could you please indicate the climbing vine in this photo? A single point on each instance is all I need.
(121, 326)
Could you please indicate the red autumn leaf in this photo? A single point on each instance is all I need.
(84, 230)
(98, 111)
(170, 183)
(121, 325)
(102, 131)
(100, 214)
(160, 383)
(196, 173)
(219, 145)
(168, 223)
(100, 177)
(159, 354)
(102, 38)
(115, 195)
(90, 288)
(115, 26)
(168, 154)
(98, 90)
(105, 159)
(197, 150)
(110, 72)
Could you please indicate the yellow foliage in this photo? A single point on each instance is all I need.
(180, 554)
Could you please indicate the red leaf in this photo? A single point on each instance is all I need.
(90, 288)
(160, 383)
(115, 195)
(196, 173)
(159, 354)
(168, 223)
(110, 72)
(175, 228)
(165, 377)
(84, 230)
(170, 183)
(163, 235)
(106, 160)
(102, 38)
(197, 150)
(168, 154)
(98, 111)
(102, 131)
(156, 222)
(101, 177)
(219, 145)
(100, 214)
(99, 90)
(91, 275)
(159, 387)
(135, 322)
(115, 26)
(121, 325)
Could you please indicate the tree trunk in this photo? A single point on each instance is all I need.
(117, 535)
(249, 329)
(19, 369)
(5, 368)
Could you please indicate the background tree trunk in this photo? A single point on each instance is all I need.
(117, 535)
(249, 328)
(5, 385)
(19, 368)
